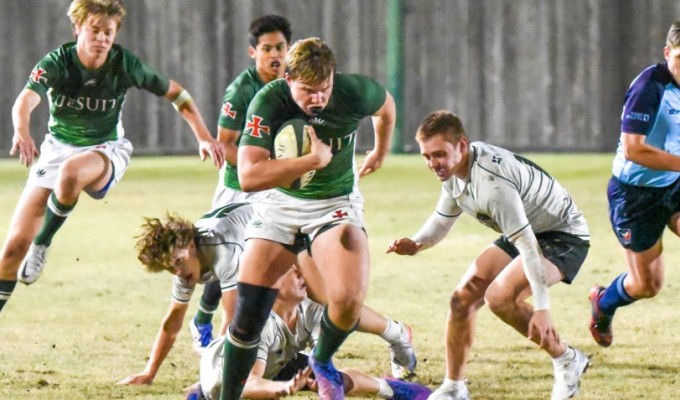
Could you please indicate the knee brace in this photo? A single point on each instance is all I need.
(253, 305)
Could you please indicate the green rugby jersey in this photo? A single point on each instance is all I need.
(237, 97)
(353, 98)
(86, 105)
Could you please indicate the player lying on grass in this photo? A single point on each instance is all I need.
(211, 249)
(281, 367)
(544, 239)
(85, 149)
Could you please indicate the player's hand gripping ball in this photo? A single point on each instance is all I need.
(292, 141)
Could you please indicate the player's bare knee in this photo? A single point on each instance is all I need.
(68, 179)
(648, 289)
(461, 303)
(499, 301)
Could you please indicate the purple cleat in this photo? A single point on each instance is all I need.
(328, 379)
(408, 390)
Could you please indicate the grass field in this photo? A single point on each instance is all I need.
(91, 319)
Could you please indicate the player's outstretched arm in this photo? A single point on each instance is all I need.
(22, 141)
(161, 347)
(185, 106)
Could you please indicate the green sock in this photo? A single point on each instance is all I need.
(330, 339)
(6, 289)
(205, 312)
(55, 215)
(210, 301)
(238, 360)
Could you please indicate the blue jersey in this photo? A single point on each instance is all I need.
(651, 108)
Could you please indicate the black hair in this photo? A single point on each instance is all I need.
(268, 24)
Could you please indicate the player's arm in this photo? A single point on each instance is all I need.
(257, 171)
(22, 141)
(636, 150)
(185, 106)
(433, 231)
(171, 325)
(228, 138)
(383, 125)
(257, 387)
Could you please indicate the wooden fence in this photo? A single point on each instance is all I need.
(545, 75)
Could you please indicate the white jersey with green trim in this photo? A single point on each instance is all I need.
(220, 241)
(508, 192)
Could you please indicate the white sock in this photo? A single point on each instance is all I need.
(385, 391)
(392, 332)
(568, 355)
(450, 384)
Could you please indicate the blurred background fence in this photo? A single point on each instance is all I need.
(540, 75)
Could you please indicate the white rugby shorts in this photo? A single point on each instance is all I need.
(53, 153)
(280, 217)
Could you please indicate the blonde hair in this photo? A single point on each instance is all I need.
(80, 10)
(310, 61)
(441, 122)
(673, 36)
(158, 240)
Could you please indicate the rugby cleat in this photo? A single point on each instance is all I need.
(600, 323)
(402, 356)
(201, 334)
(34, 263)
(408, 390)
(328, 380)
(568, 375)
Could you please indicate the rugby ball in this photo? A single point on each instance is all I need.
(292, 141)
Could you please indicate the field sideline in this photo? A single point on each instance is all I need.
(91, 319)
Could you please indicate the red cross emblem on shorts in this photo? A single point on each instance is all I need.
(256, 127)
(340, 214)
(37, 75)
(227, 111)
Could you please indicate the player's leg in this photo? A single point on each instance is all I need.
(466, 299)
(23, 227)
(563, 256)
(341, 252)
(507, 294)
(200, 326)
(263, 263)
(229, 299)
(396, 334)
(89, 170)
(357, 383)
(638, 217)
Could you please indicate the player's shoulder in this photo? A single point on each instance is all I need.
(247, 80)
(354, 83)
(653, 77)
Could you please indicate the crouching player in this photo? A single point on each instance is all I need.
(211, 250)
(281, 367)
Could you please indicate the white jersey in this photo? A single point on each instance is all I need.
(221, 240)
(508, 193)
(278, 346)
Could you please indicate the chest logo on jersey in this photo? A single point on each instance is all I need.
(256, 128)
(89, 103)
(227, 111)
(91, 82)
(37, 75)
(316, 121)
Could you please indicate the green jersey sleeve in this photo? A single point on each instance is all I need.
(142, 76)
